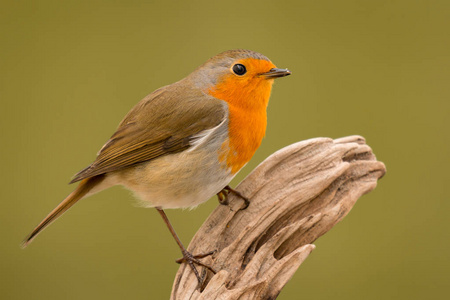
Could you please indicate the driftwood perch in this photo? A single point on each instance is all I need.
(297, 195)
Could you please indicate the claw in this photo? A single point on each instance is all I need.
(193, 260)
(198, 256)
(223, 196)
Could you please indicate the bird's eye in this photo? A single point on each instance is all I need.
(239, 69)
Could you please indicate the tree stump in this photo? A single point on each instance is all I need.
(296, 195)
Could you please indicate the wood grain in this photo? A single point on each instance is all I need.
(297, 194)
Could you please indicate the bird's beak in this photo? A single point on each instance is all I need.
(275, 73)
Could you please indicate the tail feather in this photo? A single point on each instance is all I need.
(82, 189)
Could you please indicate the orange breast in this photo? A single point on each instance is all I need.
(247, 99)
(246, 131)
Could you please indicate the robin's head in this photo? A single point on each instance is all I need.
(241, 77)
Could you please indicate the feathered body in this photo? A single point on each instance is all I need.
(183, 143)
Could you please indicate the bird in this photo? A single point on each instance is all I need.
(184, 142)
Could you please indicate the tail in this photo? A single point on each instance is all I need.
(82, 189)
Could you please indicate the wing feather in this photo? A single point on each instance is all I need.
(167, 121)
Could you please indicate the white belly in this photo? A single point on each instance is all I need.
(175, 181)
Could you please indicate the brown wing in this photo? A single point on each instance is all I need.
(164, 122)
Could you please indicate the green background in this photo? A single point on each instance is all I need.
(70, 70)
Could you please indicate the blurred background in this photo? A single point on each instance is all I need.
(70, 70)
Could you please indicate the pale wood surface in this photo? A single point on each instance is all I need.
(297, 194)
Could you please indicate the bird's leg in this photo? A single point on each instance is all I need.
(187, 256)
(223, 196)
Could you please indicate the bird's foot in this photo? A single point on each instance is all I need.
(193, 260)
(223, 196)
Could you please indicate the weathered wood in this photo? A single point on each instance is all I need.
(297, 194)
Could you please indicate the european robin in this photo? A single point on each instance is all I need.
(183, 143)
